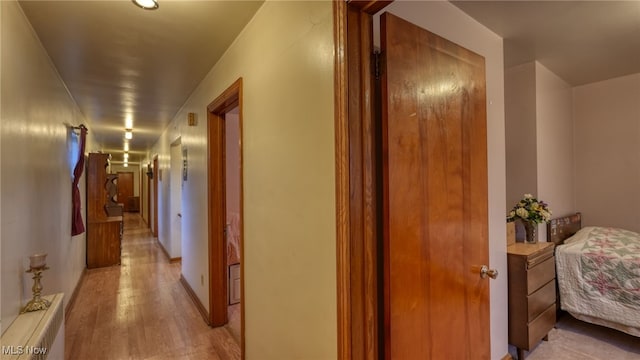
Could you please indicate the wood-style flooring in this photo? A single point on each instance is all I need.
(139, 310)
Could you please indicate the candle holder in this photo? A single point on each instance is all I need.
(36, 267)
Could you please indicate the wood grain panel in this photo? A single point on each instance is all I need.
(96, 180)
(125, 189)
(356, 183)
(217, 206)
(103, 243)
(435, 191)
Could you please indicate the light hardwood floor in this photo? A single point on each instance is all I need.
(139, 310)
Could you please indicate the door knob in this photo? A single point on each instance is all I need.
(485, 271)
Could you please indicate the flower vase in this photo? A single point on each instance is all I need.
(530, 228)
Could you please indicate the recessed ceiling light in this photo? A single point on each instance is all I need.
(147, 4)
(128, 122)
(128, 134)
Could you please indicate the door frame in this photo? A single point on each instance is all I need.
(359, 329)
(156, 174)
(229, 99)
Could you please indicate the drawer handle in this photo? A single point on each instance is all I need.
(485, 271)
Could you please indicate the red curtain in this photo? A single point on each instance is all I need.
(77, 226)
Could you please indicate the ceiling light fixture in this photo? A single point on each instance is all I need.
(126, 156)
(126, 146)
(128, 122)
(147, 4)
(128, 134)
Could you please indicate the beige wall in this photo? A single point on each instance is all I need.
(173, 246)
(449, 22)
(539, 121)
(554, 129)
(607, 152)
(36, 167)
(520, 124)
(285, 57)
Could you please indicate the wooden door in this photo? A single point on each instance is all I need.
(125, 189)
(436, 305)
(156, 174)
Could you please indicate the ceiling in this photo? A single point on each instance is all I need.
(580, 41)
(120, 61)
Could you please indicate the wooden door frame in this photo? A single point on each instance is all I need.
(229, 99)
(148, 208)
(356, 205)
(156, 173)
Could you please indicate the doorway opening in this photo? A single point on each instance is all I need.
(226, 264)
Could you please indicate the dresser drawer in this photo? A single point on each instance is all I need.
(539, 257)
(540, 300)
(540, 274)
(541, 325)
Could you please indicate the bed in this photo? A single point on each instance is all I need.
(598, 272)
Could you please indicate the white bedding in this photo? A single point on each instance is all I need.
(598, 272)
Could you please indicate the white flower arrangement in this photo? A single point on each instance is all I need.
(530, 209)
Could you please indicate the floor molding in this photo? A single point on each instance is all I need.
(74, 294)
(166, 254)
(194, 298)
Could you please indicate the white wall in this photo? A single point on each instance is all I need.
(554, 129)
(539, 122)
(520, 124)
(607, 152)
(36, 167)
(285, 57)
(448, 21)
(173, 246)
(164, 195)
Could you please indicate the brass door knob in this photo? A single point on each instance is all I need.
(485, 271)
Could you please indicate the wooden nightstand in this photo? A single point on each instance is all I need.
(532, 294)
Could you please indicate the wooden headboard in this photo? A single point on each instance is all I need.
(562, 228)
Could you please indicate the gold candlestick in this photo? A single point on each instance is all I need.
(37, 266)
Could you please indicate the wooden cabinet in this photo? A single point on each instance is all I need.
(532, 294)
(103, 242)
(104, 231)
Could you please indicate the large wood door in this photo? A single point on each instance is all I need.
(436, 304)
(125, 189)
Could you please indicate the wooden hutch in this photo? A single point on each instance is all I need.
(104, 215)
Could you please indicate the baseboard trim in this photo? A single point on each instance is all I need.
(74, 295)
(507, 357)
(166, 254)
(203, 311)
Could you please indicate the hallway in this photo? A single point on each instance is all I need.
(139, 310)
